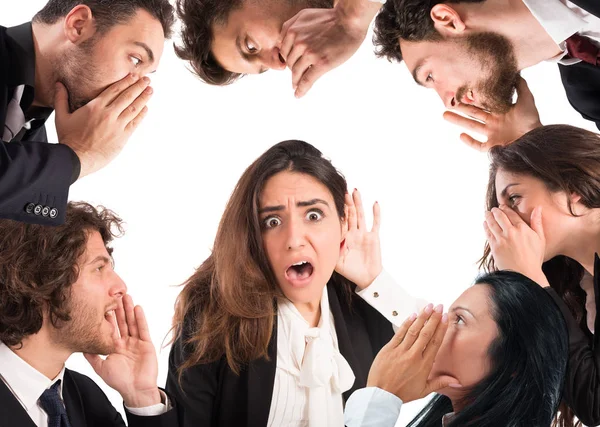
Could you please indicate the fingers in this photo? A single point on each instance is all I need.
(441, 382)
(401, 332)
(433, 346)
(288, 37)
(514, 217)
(135, 108)
(488, 233)
(129, 95)
(121, 319)
(130, 316)
(61, 99)
(142, 324)
(132, 125)
(94, 360)
(474, 143)
(310, 76)
(493, 226)
(376, 218)
(113, 91)
(427, 334)
(351, 213)
(472, 111)
(536, 222)
(413, 332)
(360, 211)
(523, 91)
(299, 69)
(465, 122)
(502, 219)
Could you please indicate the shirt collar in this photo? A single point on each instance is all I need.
(25, 382)
(558, 21)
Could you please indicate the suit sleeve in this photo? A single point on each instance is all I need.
(36, 174)
(582, 382)
(195, 390)
(582, 86)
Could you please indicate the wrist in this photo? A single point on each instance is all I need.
(142, 399)
(369, 279)
(356, 15)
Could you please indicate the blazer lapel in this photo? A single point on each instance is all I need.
(261, 379)
(73, 402)
(12, 412)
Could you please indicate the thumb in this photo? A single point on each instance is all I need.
(61, 99)
(536, 222)
(441, 382)
(94, 360)
(523, 92)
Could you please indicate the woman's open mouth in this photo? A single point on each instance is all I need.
(299, 273)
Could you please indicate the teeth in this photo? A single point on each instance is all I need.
(301, 263)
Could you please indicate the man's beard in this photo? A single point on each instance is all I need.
(499, 63)
(76, 71)
(83, 333)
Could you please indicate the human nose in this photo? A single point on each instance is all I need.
(295, 238)
(272, 59)
(118, 287)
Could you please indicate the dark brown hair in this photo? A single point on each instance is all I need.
(108, 13)
(227, 308)
(38, 265)
(566, 159)
(197, 20)
(408, 20)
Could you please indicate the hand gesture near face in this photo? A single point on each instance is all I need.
(132, 369)
(316, 41)
(99, 130)
(514, 244)
(500, 129)
(360, 253)
(403, 366)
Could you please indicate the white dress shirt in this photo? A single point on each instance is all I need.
(298, 364)
(27, 385)
(561, 19)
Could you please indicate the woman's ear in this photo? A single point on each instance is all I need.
(446, 20)
(79, 24)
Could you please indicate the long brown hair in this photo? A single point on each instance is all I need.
(227, 308)
(566, 159)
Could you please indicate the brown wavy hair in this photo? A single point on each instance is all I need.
(227, 308)
(566, 159)
(38, 265)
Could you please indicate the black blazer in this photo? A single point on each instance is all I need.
(86, 404)
(212, 395)
(582, 382)
(34, 176)
(582, 81)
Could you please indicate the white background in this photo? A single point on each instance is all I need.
(381, 130)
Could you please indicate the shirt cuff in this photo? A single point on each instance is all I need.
(154, 410)
(372, 407)
(390, 299)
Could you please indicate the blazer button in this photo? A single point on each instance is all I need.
(38, 209)
(45, 211)
(53, 213)
(29, 208)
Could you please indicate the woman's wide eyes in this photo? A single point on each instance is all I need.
(271, 222)
(314, 215)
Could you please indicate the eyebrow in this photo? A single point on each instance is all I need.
(302, 204)
(147, 49)
(100, 258)
(505, 191)
(463, 308)
(245, 56)
(416, 71)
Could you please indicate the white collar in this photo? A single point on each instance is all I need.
(26, 383)
(558, 21)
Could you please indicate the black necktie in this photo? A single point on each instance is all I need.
(52, 404)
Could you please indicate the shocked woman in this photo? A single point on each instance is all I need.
(282, 322)
(544, 222)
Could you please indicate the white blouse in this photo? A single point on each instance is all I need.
(311, 374)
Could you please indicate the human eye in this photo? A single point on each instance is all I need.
(314, 215)
(100, 268)
(513, 199)
(135, 60)
(251, 47)
(271, 222)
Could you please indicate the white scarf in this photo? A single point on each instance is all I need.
(312, 356)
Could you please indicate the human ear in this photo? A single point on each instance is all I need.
(446, 20)
(79, 24)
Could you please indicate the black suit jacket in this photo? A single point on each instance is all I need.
(86, 404)
(582, 80)
(582, 382)
(34, 176)
(212, 395)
